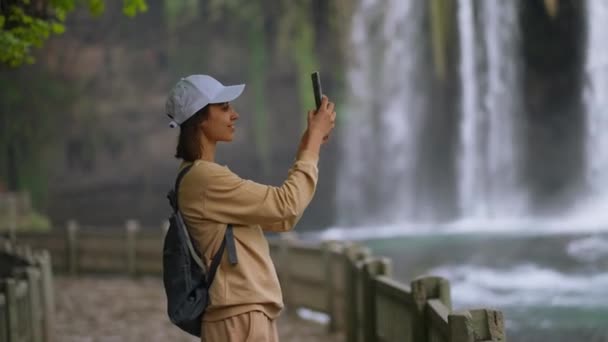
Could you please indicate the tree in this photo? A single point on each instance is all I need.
(29, 23)
(30, 119)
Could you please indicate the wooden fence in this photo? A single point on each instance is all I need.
(356, 291)
(26, 294)
(341, 279)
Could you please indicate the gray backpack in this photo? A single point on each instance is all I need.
(185, 277)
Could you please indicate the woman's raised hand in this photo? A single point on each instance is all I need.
(322, 121)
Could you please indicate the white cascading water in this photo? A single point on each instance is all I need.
(489, 184)
(383, 107)
(567, 275)
(596, 100)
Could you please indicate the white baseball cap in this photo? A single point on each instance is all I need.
(194, 92)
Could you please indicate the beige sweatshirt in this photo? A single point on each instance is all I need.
(210, 197)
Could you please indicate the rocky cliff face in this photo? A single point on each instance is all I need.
(115, 157)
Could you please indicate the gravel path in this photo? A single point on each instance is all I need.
(109, 309)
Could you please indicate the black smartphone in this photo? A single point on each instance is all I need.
(316, 87)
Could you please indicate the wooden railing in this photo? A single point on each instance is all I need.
(341, 279)
(26, 294)
(357, 292)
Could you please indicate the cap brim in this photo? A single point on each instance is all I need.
(228, 94)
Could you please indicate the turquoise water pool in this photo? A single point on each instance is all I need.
(549, 286)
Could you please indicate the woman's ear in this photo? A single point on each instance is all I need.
(203, 124)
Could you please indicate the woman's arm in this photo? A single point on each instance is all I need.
(286, 225)
(228, 198)
(231, 199)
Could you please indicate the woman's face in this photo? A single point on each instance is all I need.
(220, 122)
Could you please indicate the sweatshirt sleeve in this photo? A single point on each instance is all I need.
(231, 199)
(282, 226)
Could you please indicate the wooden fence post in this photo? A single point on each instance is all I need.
(72, 244)
(18, 250)
(476, 326)
(372, 268)
(348, 253)
(132, 227)
(423, 289)
(35, 294)
(48, 295)
(28, 255)
(11, 303)
(352, 254)
(3, 319)
(284, 267)
(328, 248)
(24, 204)
(7, 247)
(12, 218)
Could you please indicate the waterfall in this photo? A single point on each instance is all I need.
(507, 164)
(490, 184)
(381, 176)
(596, 98)
(377, 177)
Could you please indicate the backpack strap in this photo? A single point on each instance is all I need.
(228, 240)
(215, 263)
(181, 175)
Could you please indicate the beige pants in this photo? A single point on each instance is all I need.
(253, 326)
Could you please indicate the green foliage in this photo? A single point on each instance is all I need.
(296, 40)
(257, 75)
(440, 22)
(180, 13)
(25, 31)
(248, 11)
(131, 7)
(20, 31)
(279, 33)
(304, 56)
(96, 7)
(29, 122)
(35, 222)
(31, 222)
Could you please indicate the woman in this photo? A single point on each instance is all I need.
(245, 298)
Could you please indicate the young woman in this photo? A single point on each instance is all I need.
(245, 298)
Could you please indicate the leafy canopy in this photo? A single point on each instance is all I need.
(29, 23)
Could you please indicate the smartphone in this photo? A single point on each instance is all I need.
(316, 87)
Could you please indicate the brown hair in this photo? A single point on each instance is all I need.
(189, 141)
